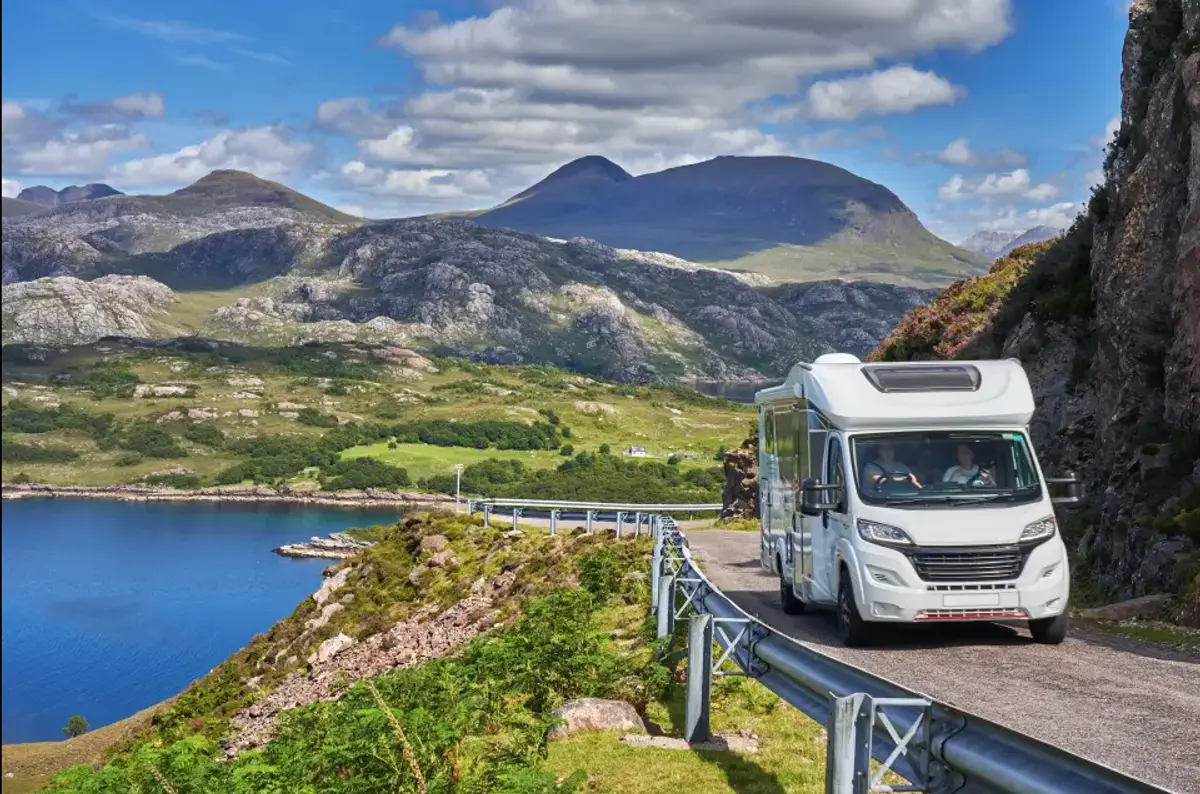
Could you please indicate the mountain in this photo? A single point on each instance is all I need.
(997, 244)
(789, 218)
(250, 260)
(49, 197)
(1106, 320)
(989, 243)
(14, 207)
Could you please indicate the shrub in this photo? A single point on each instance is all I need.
(567, 450)
(76, 726)
(361, 473)
(14, 452)
(205, 433)
(150, 440)
(673, 460)
(314, 418)
(186, 482)
(128, 459)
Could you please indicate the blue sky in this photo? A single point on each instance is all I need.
(977, 113)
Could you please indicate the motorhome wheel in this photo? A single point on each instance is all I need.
(787, 597)
(851, 627)
(1050, 631)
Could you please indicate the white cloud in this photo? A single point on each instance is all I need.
(268, 152)
(11, 187)
(528, 86)
(148, 105)
(1110, 131)
(1011, 185)
(1059, 216)
(429, 183)
(840, 138)
(961, 154)
(83, 153)
(900, 89)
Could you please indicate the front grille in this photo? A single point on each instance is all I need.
(980, 564)
(972, 613)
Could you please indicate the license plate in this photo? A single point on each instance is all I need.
(972, 600)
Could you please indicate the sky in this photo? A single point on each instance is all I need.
(978, 114)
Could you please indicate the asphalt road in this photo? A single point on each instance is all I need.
(1126, 705)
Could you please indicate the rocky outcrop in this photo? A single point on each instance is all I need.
(68, 311)
(337, 546)
(739, 498)
(1106, 321)
(339, 661)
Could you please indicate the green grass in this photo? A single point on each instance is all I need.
(596, 412)
(424, 460)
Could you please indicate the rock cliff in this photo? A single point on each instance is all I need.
(1106, 321)
(58, 311)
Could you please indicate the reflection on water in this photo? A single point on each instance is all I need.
(738, 391)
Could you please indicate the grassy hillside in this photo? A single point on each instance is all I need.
(14, 208)
(227, 413)
(540, 619)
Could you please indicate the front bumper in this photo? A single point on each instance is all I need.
(889, 588)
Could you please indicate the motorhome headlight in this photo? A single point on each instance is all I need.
(1039, 530)
(883, 533)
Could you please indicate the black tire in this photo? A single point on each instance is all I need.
(852, 628)
(1050, 631)
(791, 604)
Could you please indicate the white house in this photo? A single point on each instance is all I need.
(635, 452)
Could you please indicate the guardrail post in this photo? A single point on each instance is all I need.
(656, 566)
(553, 522)
(843, 755)
(590, 515)
(470, 506)
(620, 521)
(516, 517)
(487, 515)
(699, 678)
(666, 606)
(637, 527)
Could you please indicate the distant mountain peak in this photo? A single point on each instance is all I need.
(49, 197)
(592, 169)
(999, 243)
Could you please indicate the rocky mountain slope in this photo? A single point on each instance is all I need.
(1106, 320)
(250, 260)
(995, 244)
(781, 216)
(49, 197)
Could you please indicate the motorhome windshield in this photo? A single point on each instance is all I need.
(945, 468)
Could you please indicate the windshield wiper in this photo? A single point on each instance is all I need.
(965, 498)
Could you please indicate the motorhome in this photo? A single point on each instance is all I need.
(910, 493)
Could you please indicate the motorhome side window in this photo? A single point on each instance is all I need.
(769, 431)
(785, 443)
(944, 468)
(836, 475)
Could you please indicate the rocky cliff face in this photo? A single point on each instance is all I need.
(1107, 323)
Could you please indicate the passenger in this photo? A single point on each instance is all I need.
(885, 465)
(967, 472)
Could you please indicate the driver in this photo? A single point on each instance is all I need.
(885, 466)
(967, 472)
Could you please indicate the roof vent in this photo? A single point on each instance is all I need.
(923, 377)
(837, 358)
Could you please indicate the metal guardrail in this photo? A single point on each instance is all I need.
(938, 749)
(639, 513)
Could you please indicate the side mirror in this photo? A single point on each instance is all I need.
(816, 498)
(1073, 492)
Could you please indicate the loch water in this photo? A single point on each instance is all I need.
(110, 607)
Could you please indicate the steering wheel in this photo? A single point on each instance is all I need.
(892, 478)
(977, 477)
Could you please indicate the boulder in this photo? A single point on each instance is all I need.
(443, 559)
(1149, 606)
(330, 648)
(434, 542)
(596, 714)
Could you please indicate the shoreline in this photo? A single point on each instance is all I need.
(233, 494)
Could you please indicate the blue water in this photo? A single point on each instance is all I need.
(109, 607)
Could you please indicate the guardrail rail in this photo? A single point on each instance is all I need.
(937, 748)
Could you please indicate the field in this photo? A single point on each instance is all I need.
(249, 392)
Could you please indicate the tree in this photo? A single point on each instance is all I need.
(76, 726)
(720, 456)
(567, 450)
(673, 460)
(566, 431)
(605, 449)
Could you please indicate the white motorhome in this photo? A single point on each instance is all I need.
(910, 492)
